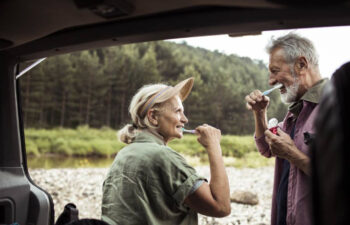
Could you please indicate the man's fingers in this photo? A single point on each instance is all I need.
(270, 137)
(265, 98)
(250, 100)
(268, 133)
(249, 107)
(281, 132)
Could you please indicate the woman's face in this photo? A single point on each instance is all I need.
(171, 119)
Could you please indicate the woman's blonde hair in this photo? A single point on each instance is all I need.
(151, 96)
(140, 120)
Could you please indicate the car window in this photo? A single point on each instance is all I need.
(73, 105)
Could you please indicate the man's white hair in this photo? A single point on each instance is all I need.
(294, 46)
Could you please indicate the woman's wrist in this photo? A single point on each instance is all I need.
(214, 148)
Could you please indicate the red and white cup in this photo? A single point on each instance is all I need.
(272, 125)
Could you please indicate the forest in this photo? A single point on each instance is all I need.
(93, 88)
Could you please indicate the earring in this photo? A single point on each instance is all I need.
(154, 122)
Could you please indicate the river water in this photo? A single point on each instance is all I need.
(50, 162)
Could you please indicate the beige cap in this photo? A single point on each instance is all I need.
(182, 89)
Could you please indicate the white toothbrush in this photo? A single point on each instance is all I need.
(272, 89)
(189, 131)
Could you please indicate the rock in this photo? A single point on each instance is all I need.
(83, 187)
(244, 197)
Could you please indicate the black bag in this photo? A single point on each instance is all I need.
(70, 216)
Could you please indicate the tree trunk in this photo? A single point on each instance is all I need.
(80, 110)
(42, 113)
(122, 107)
(63, 108)
(87, 119)
(109, 103)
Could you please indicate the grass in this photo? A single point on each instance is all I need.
(238, 151)
(82, 142)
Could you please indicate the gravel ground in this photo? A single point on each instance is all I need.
(83, 187)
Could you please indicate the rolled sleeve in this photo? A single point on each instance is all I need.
(262, 146)
(187, 188)
(179, 178)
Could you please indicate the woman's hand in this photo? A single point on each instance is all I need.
(212, 199)
(209, 136)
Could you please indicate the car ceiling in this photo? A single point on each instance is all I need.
(38, 28)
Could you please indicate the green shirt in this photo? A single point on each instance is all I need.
(147, 184)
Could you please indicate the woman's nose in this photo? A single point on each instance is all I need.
(184, 118)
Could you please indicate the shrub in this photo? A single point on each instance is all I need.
(60, 146)
(85, 141)
(31, 148)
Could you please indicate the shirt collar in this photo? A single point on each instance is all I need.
(313, 95)
(315, 92)
(149, 135)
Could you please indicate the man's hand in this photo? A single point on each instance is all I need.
(283, 146)
(257, 102)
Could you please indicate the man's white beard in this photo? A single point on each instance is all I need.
(291, 93)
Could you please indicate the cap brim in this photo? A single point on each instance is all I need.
(182, 89)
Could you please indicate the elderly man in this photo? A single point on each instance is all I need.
(294, 64)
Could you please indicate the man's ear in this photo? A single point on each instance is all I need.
(152, 117)
(301, 64)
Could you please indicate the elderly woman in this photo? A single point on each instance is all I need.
(148, 182)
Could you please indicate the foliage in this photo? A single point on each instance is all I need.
(85, 141)
(94, 88)
(82, 141)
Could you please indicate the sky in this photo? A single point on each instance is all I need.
(332, 45)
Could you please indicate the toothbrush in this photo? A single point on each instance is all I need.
(272, 89)
(189, 131)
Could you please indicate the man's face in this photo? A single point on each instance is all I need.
(283, 73)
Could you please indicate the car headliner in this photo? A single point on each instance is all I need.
(38, 28)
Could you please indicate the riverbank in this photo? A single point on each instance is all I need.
(89, 142)
(83, 187)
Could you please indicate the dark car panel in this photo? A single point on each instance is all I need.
(41, 28)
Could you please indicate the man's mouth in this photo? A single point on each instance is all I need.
(282, 89)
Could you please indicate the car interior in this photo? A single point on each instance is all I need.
(31, 30)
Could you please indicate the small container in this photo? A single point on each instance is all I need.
(272, 125)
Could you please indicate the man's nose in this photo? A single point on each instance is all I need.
(272, 80)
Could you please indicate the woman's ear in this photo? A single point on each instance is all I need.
(152, 117)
